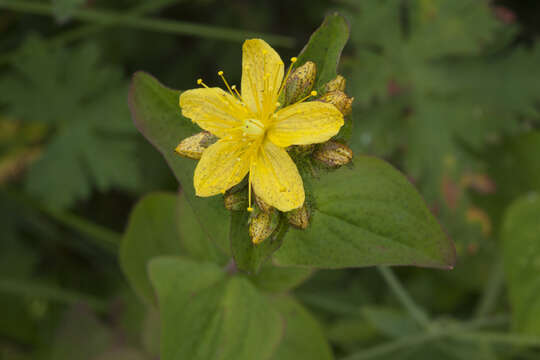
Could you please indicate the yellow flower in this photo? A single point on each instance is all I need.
(254, 131)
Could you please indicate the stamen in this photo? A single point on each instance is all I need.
(200, 82)
(293, 60)
(220, 73)
(238, 94)
(250, 209)
(313, 93)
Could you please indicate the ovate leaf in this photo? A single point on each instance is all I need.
(304, 338)
(521, 254)
(206, 314)
(324, 48)
(151, 232)
(379, 219)
(157, 115)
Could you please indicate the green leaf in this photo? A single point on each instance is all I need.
(280, 279)
(151, 232)
(324, 48)
(304, 338)
(81, 103)
(206, 314)
(520, 238)
(63, 9)
(248, 256)
(380, 219)
(156, 113)
(196, 244)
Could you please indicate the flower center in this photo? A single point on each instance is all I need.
(253, 127)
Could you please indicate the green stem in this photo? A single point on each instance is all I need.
(499, 338)
(491, 292)
(415, 340)
(104, 238)
(50, 293)
(87, 30)
(403, 296)
(158, 25)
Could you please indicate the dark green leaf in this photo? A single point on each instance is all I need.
(521, 253)
(380, 219)
(151, 231)
(156, 113)
(304, 338)
(280, 279)
(206, 314)
(324, 48)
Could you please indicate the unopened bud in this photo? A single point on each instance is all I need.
(236, 201)
(262, 226)
(300, 83)
(340, 100)
(299, 218)
(193, 146)
(333, 154)
(262, 205)
(338, 84)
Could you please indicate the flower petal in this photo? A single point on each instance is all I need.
(276, 180)
(212, 109)
(305, 123)
(223, 165)
(262, 74)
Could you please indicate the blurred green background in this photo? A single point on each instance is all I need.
(447, 91)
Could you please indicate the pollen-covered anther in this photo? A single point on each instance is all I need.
(299, 218)
(262, 226)
(333, 154)
(194, 146)
(340, 100)
(300, 82)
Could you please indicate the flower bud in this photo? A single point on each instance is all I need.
(262, 205)
(299, 218)
(300, 83)
(236, 201)
(193, 146)
(338, 84)
(340, 100)
(262, 226)
(302, 150)
(333, 154)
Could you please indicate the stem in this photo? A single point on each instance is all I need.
(492, 291)
(403, 296)
(50, 293)
(499, 338)
(159, 25)
(415, 340)
(86, 30)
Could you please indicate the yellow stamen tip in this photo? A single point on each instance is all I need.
(278, 104)
(233, 87)
(220, 73)
(293, 59)
(250, 209)
(314, 93)
(199, 81)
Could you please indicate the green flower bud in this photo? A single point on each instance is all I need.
(262, 205)
(262, 225)
(338, 84)
(236, 201)
(299, 218)
(340, 100)
(193, 146)
(333, 154)
(300, 83)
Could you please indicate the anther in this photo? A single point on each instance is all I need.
(220, 73)
(250, 209)
(293, 59)
(313, 93)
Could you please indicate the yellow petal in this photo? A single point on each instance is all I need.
(262, 73)
(212, 109)
(305, 123)
(276, 180)
(223, 165)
